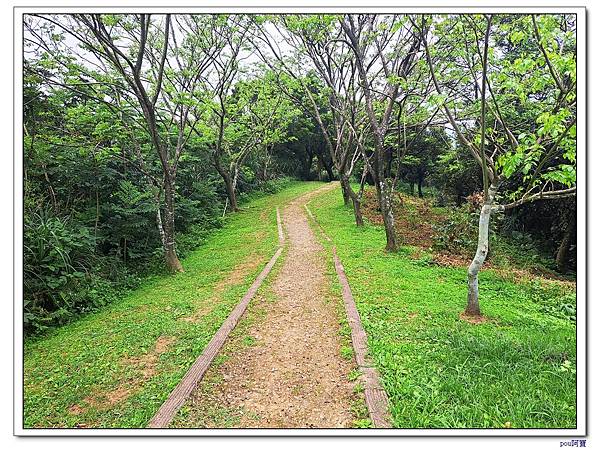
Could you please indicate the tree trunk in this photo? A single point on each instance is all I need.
(330, 174)
(385, 205)
(352, 197)
(480, 255)
(308, 165)
(326, 166)
(169, 229)
(565, 244)
(345, 189)
(231, 193)
(420, 187)
(229, 188)
(229, 184)
(319, 169)
(356, 206)
(412, 188)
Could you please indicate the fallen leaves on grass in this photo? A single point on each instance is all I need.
(413, 218)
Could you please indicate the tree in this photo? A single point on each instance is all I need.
(543, 158)
(421, 157)
(141, 59)
(394, 45)
(311, 36)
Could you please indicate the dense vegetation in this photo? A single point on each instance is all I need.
(141, 131)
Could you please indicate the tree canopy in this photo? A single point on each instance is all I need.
(141, 131)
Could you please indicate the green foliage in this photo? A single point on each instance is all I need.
(458, 233)
(60, 279)
(92, 170)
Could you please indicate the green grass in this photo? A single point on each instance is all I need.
(90, 373)
(517, 369)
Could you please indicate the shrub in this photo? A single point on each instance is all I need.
(458, 233)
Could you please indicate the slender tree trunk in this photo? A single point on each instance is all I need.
(345, 189)
(489, 191)
(168, 224)
(308, 164)
(329, 171)
(352, 198)
(480, 255)
(319, 169)
(412, 188)
(325, 166)
(420, 187)
(229, 186)
(231, 193)
(563, 249)
(385, 205)
(356, 206)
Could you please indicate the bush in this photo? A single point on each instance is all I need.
(458, 233)
(62, 277)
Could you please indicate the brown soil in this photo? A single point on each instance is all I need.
(475, 320)
(413, 217)
(76, 410)
(293, 376)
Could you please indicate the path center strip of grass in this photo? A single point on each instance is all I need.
(114, 368)
(515, 370)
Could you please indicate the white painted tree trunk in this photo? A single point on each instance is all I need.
(480, 255)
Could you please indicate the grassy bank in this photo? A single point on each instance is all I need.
(115, 367)
(516, 369)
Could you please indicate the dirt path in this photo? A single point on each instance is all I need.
(294, 375)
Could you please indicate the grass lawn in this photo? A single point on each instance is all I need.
(114, 368)
(516, 369)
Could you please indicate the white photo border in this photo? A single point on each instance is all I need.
(308, 7)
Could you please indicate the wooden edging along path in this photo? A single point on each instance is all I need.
(375, 396)
(280, 228)
(182, 391)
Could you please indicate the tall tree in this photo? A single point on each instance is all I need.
(534, 77)
(139, 56)
(387, 45)
(313, 41)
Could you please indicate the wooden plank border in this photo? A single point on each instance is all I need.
(280, 228)
(178, 396)
(375, 396)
